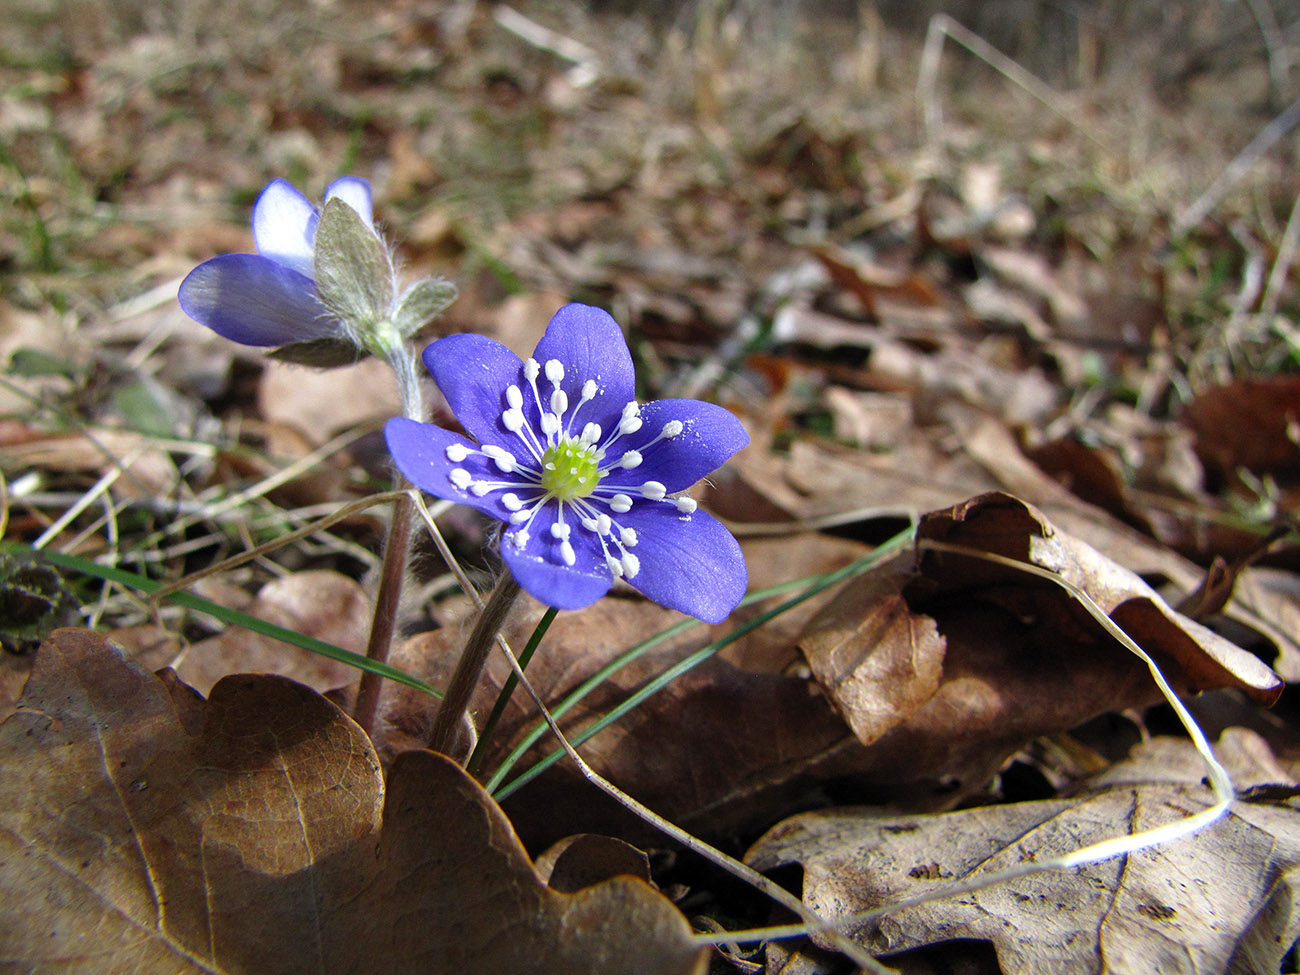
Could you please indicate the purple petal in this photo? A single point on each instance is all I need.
(689, 563)
(252, 300)
(420, 452)
(473, 372)
(539, 569)
(590, 345)
(355, 192)
(710, 435)
(284, 225)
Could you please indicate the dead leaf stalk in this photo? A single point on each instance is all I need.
(733, 866)
(1219, 780)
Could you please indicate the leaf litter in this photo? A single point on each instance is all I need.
(906, 321)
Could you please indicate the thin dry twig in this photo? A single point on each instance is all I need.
(927, 80)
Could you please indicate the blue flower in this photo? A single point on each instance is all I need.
(587, 480)
(270, 298)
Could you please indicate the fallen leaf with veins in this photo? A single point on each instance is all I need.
(1221, 901)
(143, 829)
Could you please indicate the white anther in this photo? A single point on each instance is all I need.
(686, 505)
(554, 370)
(589, 524)
(520, 538)
(590, 434)
(559, 401)
(631, 565)
(460, 478)
(631, 409)
(672, 428)
(589, 390)
(631, 459)
(531, 369)
(560, 531)
(480, 488)
(603, 524)
(519, 517)
(504, 460)
(511, 501)
(513, 420)
(615, 566)
(620, 503)
(629, 424)
(567, 553)
(514, 397)
(627, 536)
(653, 490)
(457, 452)
(550, 424)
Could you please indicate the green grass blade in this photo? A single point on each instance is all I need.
(233, 617)
(815, 585)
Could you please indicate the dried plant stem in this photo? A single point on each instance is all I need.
(469, 668)
(384, 622)
(733, 866)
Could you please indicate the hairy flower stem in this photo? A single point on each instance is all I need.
(469, 669)
(386, 600)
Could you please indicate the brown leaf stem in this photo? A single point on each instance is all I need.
(469, 668)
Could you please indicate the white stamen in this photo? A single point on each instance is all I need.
(511, 501)
(514, 397)
(590, 434)
(589, 390)
(531, 369)
(519, 517)
(630, 409)
(631, 565)
(457, 452)
(559, 401)
(653, 490)
(631, 459)
(513, 419)
(550, 424)
(620, 503)
(567, 553)
(554, 370)
(615, 566)
(520, 538)
(480, 488)
(627, 536)
(460, 477)
(629, 425)
(603, 524)
(504, 460)
(559, 530)
(589, 523)
(672, 428)
(686, 505)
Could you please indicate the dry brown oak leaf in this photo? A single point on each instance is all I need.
(1221, 902)
(145, 830)
(945, 667)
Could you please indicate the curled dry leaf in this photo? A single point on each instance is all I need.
(945, 667)
(145, 830)
(1222, 901)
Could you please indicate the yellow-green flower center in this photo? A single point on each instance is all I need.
(570, 470)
